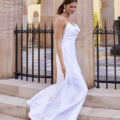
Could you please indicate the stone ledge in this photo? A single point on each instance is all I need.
(88, 113)
(21, 88)
(30, 89)
(103, 98)
(13, 106)
(18, 107)
(6, 117)
(10, 86)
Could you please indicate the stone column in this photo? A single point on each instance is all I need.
(10, 14)
(108, 15)
(83, 17)
(47, 14)
(3, 38)
(85, 40)
(25, 19)
(25, 13)
(57, 4)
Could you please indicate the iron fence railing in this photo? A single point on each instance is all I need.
(33, 47)
(98, 31)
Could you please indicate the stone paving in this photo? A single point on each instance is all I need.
(42, 61)
(7, 117)
(102, 64)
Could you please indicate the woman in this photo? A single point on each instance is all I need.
(64, 100)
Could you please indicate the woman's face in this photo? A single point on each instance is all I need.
(70, 8)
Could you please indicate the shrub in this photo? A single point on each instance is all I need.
(95, 24)
(38, 1)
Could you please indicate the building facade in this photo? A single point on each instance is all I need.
(99, 4)
(107, 10)
(32, 2)
(34, 11)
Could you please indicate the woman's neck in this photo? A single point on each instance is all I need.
(66, 15)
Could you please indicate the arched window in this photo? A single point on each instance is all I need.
(36, 17)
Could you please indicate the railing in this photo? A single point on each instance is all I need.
(33, 50)
(98, 31)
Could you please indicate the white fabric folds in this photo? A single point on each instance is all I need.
(64, 100)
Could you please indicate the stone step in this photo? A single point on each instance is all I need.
(22, 88)
(17, 107)
(110, 86)
(89, 113)
(103, 98)
(6, 117)
(86, 113)
(97, 98)
(13, 106)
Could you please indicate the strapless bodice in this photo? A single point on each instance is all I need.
(70, 33)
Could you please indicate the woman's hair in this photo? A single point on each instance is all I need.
(66, 2)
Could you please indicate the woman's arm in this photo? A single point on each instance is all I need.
(59, 25)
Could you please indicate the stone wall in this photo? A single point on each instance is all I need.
(11, 13)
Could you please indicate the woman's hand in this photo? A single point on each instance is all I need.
(64, 70)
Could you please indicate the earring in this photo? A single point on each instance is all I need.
(64, 10)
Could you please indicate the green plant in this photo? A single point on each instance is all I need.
(96, 19)
(38, 1)
(95, 24)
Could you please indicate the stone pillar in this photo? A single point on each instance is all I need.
(47, 14)
(85, 40)
(57, 4)
(25, 19)
(83, 17)
(25, 13)
(10, 14)
(108, 15)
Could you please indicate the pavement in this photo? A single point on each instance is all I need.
(42, 61)
(110, 61)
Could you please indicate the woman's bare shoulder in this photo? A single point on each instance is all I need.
(60, 19)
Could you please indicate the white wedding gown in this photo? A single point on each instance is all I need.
(64, 100)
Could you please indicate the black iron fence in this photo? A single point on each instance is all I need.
(114, 53)
(27, 66)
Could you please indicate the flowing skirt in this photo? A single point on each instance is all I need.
(63, 100)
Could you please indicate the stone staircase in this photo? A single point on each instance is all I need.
(100, 104)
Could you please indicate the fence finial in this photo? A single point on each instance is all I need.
(33, 25)
(113, 25)
(27, 26)
(22, 25)
(16, 26)
(45, 25)
(39, 26)
(97, 25)
(51, 24)
(105, 27)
